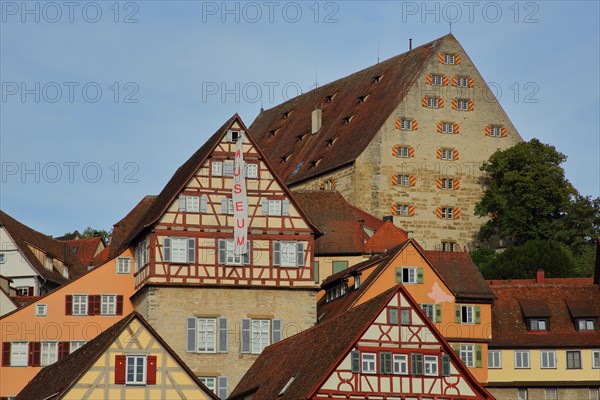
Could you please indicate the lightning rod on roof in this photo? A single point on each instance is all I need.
(410, 44)
(377, 50)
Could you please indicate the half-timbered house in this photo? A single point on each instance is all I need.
(386, 348)
(129, 360)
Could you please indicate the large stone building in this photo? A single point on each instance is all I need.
(404, 137)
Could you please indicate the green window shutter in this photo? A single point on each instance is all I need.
(339, 266)
(456, 348)
(413, 364)
(438, 312)
(405, 317)
(478, 362)
(385, 363)
(445, 365)
(316, 266)
(399, 275)
(457, 313)
(355, 361)
(393, 316)
(477, 310)
(418, 364)
(419, 275)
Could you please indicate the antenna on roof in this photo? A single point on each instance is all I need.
(377, 50)
(410, 44)
(262, 108)
(450, 22)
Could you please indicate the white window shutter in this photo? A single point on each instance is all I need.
(276, 253)
(248, 253)
(223, 335)
(191, 250)
(245, 339)
(300, 258)
(191, 335)
(265, 207)
(285, 207)
(224, 205)
(203, 204)
(222, 387)
(276, 327)
(181, 202)
(229, 135)
(167, 249)
(222, 251)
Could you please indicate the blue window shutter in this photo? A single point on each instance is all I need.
(222, 251)
(248, 253)
(445, 365)
(393, 316)
(405, 317)
(355, 361)
(191, 335)
(223, 335)
(224, 205)
(222, 387)
(245, 339)
(300, 250)
(265, 207)
(276, 334)
(203, 204)
(285, 207)
(276, 253)
(191, 250)
(181, 202)
(167, 249)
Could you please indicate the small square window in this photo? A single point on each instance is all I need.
(409, 275)
(403, 151)
(41, 310)
(467, 354)
(586, 324)
(431, 365)
(2, 258)
(252, 171)
(448, 246)
(80, 304)
(437, 80)
(368, 363)
(538, 324)
(123, 265)
(192, 203)
(449, 58)
(217, 168)
(429, 310)
(76, 345)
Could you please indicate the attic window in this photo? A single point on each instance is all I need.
(287, 386)
(232, 136)
(331, 141)
(348, 119)
(329, 99)
(273, 132)
(286, 114)
(285, 158)
(363, 98)
(300, 164)
(300, 138)
(377, 79)
(314, 163)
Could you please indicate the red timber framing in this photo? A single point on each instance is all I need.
(209, 223)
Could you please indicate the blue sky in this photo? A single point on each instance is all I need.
(102, 101)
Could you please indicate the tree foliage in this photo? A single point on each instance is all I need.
(91, 232)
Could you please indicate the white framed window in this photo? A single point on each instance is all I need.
(136, 370)
(494, 359)
(260, 330)
(403, 151)
(462, 81)
(210, 382)
(142, 255)
(2, 258)
(436, 80)
(217, 168)
(400, 364)
(207, 335)
(431, 365)
(462, 105)
(447, 213)
(550, 394)
(586, 324)
(467, 314)
(274, 207)
(406, 124)
(409, 275)
(49, 354)
(467, 355)
(447, 127)
(574, 359)
(522, 359)
(192, 204)
(228, 168)
(402, 210)
(108, 304)
(447, 154)
(22, 291)
(429, 310)
(596, 359)
(288, 254)
(449, 59)
(48, 263)
(76, 345)
(41, 310)
(522, 394)
(368, 362)
(538, 324)
(548, 359)
(228, 256)
(403, 180)
(252, 171)
(18, 354)
(80, 304)
(433, 102)
(495, 131)
(123, 265)
(447, 183)
(449, 246)
(179, 250)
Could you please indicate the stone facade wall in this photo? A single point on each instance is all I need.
(167, 308)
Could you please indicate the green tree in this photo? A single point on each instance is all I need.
(91, 232)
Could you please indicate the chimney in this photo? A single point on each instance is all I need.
(317, 120)
(410, 234)
(539, 278)
(388, 218)
(410, 44)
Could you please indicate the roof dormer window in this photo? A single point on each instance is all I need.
(585, 324)
(362, 99)
(537, 324)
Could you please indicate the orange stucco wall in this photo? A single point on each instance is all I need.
(24, 325)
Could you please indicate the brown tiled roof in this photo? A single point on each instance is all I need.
(547, 281)
(397, 75)
(23, 235)
(385, 238)
(123, 231)
(22, 301)
(312, 355)
(83, 250)
(370, 221)
(53, 381)
(509, 324)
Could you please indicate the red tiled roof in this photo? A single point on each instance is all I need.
(547, 281)
(23, 235)
(123, 231)
(385, 238)
(83, 250)
(509, 324)
(370, 221)
(22, 301)
(397, 75)
(53, 381)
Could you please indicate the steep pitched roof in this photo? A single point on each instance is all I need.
(310, 364)
(563, 301)
(84, 251)
(23, 235)
(385, 84)
(124, 230)
(385, 238)
(55, 380)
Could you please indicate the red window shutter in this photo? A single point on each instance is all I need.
(395, 179)
(64, 348)
(438, 153)
(68, 304)
(30, 291)
(120, 370)
(34, 354)
(94, 304)
(6, 354)
(120, 304)
(504, 132)
(151, 371)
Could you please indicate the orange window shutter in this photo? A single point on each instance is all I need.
(456, 155)
(395, 179)
(395, 151)
(438, 212)
(454, 81)
(440, 103)
(456, 213)
(397, 123)
(428, 79)
(441, 58)
(488, 130)
(424, 101)
(333, 182)
(411, 210)
(411, 152)
(438, 183)
(471, 105)
(471, 82)
(456, 184)
(445, 80)
(415, 125)
(439, 127)
(394, 209)
(439, 154)
(456, 129)
(457, 59)
(504, 132)
(454, 104)
(413, 180)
